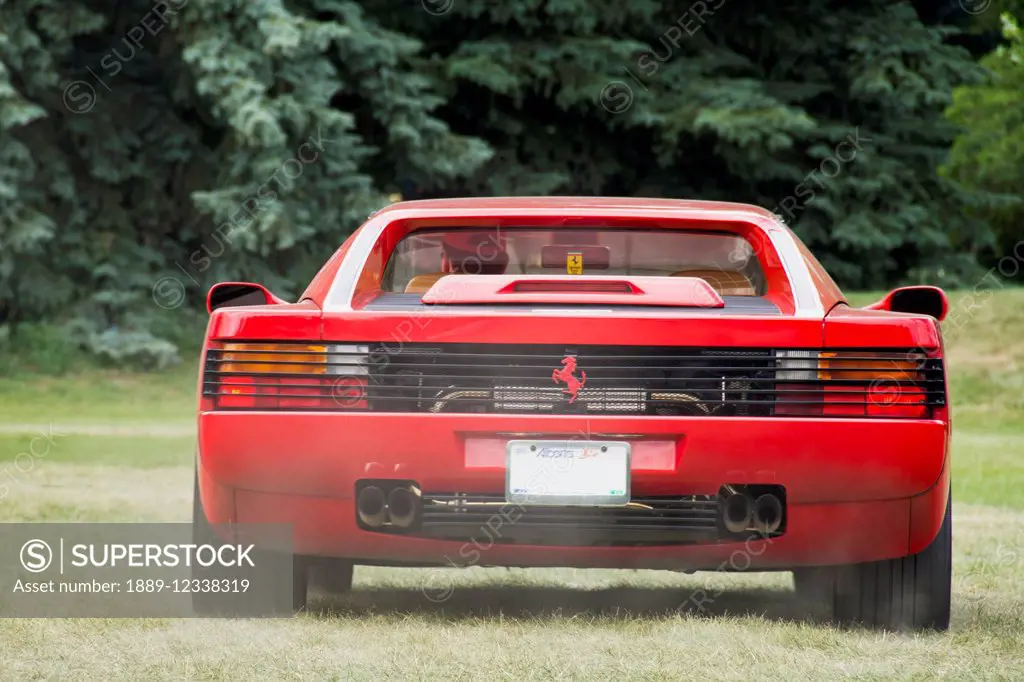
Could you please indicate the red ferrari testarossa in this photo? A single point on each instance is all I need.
(587, 382)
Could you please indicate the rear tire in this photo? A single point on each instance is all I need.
(218, 604)
(815, 584)
(333, 576)
(911, 592)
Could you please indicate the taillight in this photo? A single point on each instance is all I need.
(855, 383)
(274, 358)
(240, 392)
(897, 401)
(350, 392)
(869, 366)
(287, 376)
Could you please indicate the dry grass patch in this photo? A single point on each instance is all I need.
(520, 623)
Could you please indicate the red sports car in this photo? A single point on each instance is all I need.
(587, 382)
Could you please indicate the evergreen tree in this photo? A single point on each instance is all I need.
(147, 150)
(989, 155)
(725, 99)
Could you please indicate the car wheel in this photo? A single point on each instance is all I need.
(220, 604)
(910, 592)
(300, 583)
(203, 603)
(815, 584)
(333, 576)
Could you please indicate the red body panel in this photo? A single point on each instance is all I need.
(297, 321)
(321, 284)
(854, 327)
(857, 489)
(877, 460)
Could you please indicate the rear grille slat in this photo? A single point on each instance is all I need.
(844, 389)
(568, 517)
(936, 375)
(670, 520)
(619, 380)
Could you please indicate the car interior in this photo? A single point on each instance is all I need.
(725, 261)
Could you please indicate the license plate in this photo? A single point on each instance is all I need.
(571, 473)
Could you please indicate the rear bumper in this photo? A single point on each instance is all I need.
(857, 490)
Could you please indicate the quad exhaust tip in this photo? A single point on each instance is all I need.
(744, 510)
(403, 506)
(372, 506)
(398, 507)
(767, 514)
(738, 512)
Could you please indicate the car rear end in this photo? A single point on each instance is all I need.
(590, 419)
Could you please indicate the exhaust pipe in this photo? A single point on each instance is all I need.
(767, 514)
(737, 512)
(403, 506)
(372, 506)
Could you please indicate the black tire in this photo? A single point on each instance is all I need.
(333, 576)
(911, 592)
(203, 603)
(221, 604)
(815, 584)
(300, 584)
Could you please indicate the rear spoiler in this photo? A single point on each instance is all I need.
(683, 292)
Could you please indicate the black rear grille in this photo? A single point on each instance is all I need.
(583, 380)
(648, 520)
(618, 380)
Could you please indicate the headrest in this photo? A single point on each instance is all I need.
(420, 284)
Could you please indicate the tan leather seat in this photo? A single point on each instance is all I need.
(725, 282)
(420, 284)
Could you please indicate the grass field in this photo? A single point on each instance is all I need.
(120, 447)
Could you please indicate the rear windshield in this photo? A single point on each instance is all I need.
(726, 261)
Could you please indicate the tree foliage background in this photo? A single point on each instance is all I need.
(148, 149)
(989, 155)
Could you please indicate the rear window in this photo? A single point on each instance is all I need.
(726, 261)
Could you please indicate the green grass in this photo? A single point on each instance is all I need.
(988, 469)
(552, 624)
(100, 396)
(142, 452)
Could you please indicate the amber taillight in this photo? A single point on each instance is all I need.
(283, 376)
(859, 383)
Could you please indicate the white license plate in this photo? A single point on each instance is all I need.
(559, 472)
